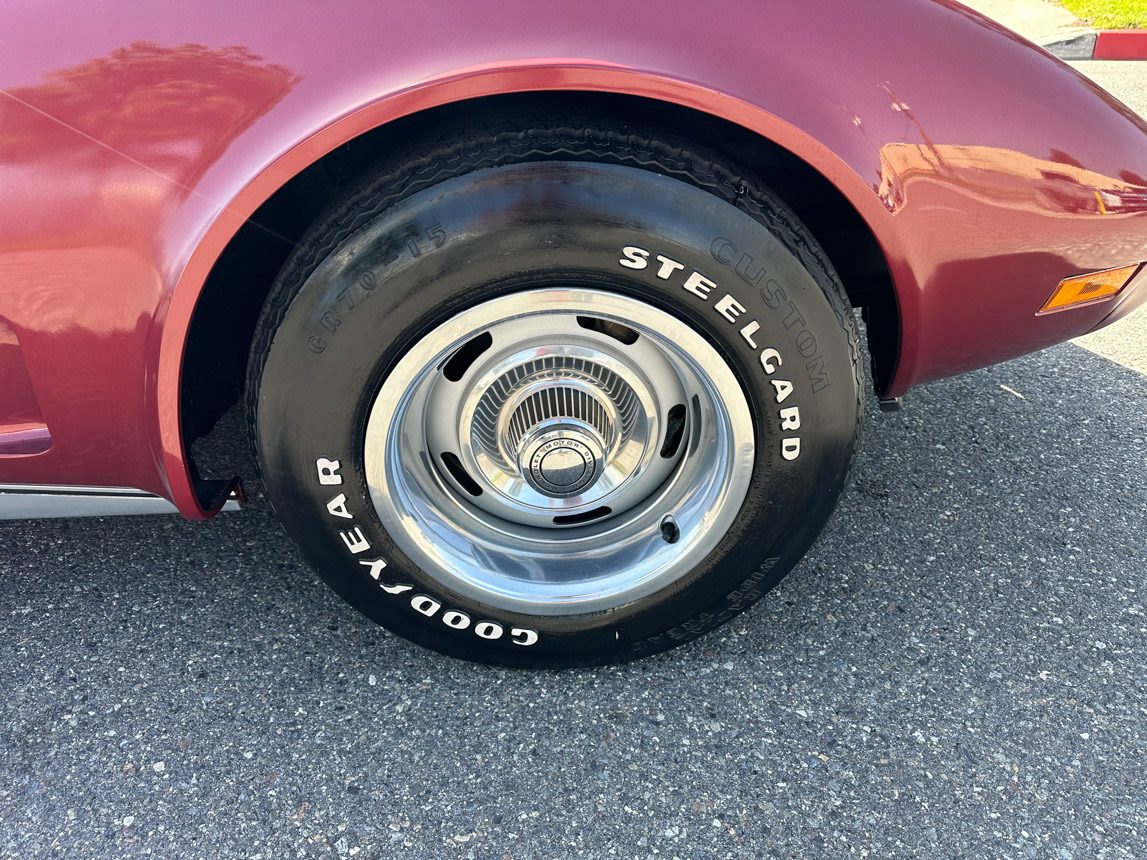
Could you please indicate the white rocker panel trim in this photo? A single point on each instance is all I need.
(40, 501)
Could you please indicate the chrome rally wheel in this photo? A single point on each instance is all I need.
(534, 408)
(559, 451)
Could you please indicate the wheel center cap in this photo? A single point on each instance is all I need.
(563, 467)
(562, 463)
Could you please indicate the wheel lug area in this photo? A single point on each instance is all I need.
(558, 428)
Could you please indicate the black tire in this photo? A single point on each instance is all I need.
(494, 213)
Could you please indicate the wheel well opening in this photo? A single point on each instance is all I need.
(223, 325)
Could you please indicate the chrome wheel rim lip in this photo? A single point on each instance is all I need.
(502, 549)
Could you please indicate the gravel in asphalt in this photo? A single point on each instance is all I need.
(956, 670)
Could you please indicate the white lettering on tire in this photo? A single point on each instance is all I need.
(375, 566)
(336, 507)
(489, 629)
(425, 605)
(730, 310)
(355, 541)
(634, 258)
(457, 620)
(328, 472)
(791, 418)
(327, 469)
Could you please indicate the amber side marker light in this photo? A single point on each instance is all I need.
(1089, 289)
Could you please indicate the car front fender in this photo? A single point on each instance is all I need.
(986, 170)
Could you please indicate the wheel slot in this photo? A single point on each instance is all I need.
(457, 365)
(609, 328)
(585, 517)
(674, 431)
(458, 472)
(695, 430)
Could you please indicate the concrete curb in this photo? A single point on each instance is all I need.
(1102, 45)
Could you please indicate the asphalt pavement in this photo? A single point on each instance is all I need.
(955, 671)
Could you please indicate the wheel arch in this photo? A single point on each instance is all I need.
(209, 324)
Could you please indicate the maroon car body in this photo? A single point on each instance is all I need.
(136, 142)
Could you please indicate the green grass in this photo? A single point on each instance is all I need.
(1110, 14)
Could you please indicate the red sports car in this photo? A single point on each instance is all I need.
(544, 314)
